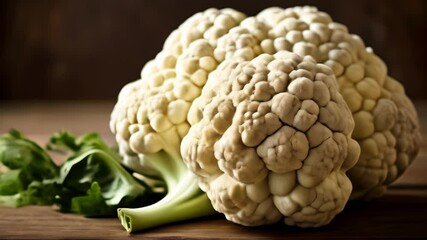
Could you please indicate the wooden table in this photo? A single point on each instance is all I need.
(401, 213)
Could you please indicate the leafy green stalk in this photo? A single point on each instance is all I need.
(183, 201)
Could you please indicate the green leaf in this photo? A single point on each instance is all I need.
(10, 200)
(62, 141)
(23, 164)
(10, 182)
(92, 161)
(17, 152)
(117, 186)
(92, 204)
(40, 193)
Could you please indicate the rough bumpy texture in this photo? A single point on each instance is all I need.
(273, 139)
(155, 113)
(387, 126)
(151, 113)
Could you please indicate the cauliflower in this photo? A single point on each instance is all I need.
(155, 113)
(273, 139)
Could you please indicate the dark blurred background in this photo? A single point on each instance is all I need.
(78, 49)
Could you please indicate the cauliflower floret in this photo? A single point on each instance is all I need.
(261, 157)
(378, 102)
(151, 113)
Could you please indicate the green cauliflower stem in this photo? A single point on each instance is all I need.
(183, 201)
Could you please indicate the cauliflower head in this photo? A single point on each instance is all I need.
(273, 139)
(154, 113)
(154, 108)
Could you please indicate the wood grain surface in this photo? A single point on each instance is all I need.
(401, 213)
